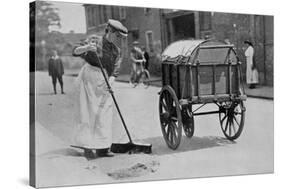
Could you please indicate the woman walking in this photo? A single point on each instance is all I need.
(251, 73)
(96, 105)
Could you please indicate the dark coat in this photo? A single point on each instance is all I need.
(109, 57)
(55, 67)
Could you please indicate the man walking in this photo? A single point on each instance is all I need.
(56, 70)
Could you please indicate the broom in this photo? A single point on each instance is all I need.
(130, 147)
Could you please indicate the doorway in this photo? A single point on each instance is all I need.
(181, 27)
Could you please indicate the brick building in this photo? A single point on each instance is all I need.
(157, 28)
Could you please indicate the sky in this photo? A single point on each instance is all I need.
(72, 17)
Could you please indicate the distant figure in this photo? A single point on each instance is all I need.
(207, 37)
(146, 57)
(56, 70)
(252, 72)
(137, 59)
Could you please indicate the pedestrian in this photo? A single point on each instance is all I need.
(251, 72)
(56, 70)
(146, 57)
(137, 59)
(96, 104)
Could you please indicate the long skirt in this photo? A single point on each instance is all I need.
(96, 110)
(251, 74)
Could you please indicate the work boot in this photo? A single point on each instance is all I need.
(55, 89)
(105, 152)
(62, 92)
(88, 153)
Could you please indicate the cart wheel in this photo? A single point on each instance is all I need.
(188, 122)
(232, 117)
(170, 117)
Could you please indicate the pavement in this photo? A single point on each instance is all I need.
(206, 154)
(261, 91)
(264, 92)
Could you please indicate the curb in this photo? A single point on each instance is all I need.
(248, 95)
(261, 97)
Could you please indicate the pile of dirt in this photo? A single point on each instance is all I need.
(136, 170)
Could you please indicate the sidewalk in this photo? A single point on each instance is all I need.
(264, 92)
(154, 80)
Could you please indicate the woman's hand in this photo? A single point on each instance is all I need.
(91, 47)
(85, 48)
(111, 80)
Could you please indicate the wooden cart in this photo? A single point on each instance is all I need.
(196, 73)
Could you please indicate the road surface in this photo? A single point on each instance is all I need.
(206, 154)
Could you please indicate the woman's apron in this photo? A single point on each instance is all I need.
(95, 130)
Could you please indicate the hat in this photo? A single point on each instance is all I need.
(136, 43)
(118, 26)
(248, 42)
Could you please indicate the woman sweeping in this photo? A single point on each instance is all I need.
(96, 105)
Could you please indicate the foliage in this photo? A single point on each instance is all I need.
(46, 16)
(42, 16)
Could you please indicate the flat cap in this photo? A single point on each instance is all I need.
(118, 26)
(248, 42)
(136, 43)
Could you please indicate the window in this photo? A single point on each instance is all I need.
(149, 41)
(205, 19)
(101, 15)
(124, 46)
(122, 12)
(90, 17)
(94, 21)
(135, 34)
(112, 12)
(147, 11)
(105, 14)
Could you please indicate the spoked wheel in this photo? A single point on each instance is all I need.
(146, 78)
(170, 117)
(232, 117)
(188, 122)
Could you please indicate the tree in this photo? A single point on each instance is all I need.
(42, 16)
(46, 16)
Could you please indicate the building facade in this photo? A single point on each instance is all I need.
(155, 29)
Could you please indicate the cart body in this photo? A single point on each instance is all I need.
(202, 71)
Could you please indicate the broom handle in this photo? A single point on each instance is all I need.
(115, 102)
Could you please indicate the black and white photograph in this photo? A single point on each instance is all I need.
(124, 94)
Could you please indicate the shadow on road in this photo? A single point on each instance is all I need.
(71, 74)
(159, 146)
